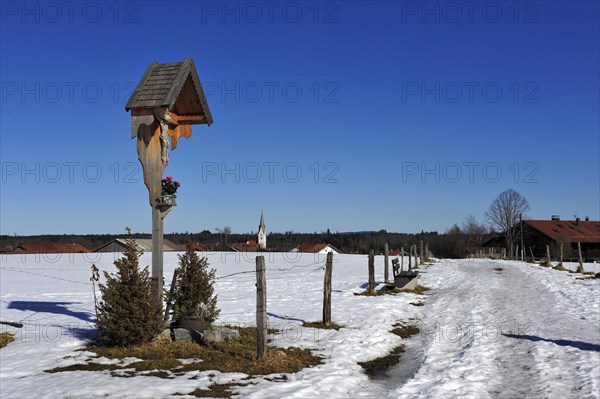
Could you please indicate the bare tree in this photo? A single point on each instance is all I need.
(455, 242)
(225, 231)
(474, 231)
(504, 213)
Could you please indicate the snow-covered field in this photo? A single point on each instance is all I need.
(523, 331)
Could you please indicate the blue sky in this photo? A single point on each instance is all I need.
(348, 115)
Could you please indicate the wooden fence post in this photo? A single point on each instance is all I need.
(427, 252)
(580, 269)
(548, 263)
(415, 254)
(422, 253)
(401, 258)
(532, 257)
(371, 286)
(561, 253)
(327, 290)
(410, 258)
(386, 263)
(261, 308)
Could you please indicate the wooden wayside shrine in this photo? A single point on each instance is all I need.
(166, 102)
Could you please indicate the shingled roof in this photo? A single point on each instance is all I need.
(174, 85)
(570, 230)
(314, 248)
(50, 248)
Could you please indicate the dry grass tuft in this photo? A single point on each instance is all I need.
(84, 367)
(214, 391)
(393, 291)
(150, 351)
(419, 290)
(5, 339)
(404, 331)
(319, 324)
(590, 276)
(227, 357)
(377, 367)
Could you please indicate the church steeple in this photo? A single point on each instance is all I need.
(262, 232)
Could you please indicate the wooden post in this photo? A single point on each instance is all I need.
(427, 252)
(157, 128)
(410, 258)
(548, 262)
(261, 308)
(415, 255)
(561, 253)
(386, 263)
(327, 290)
(532, 257)
(517, 252)
(157, 253)
(580, 269)
(371, 286)
(401, 258)
(168, 306)
(422, 253)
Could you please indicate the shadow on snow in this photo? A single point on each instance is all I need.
(276, 316)
(584, 346)
(51, 307)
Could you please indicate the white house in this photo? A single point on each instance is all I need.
(316, 249)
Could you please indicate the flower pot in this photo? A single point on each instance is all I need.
(167, 200)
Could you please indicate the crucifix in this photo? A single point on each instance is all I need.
(166, 102)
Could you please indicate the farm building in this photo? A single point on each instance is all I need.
(316, 249)
(248, 246)
(67, 248)
(539, 233)
(200, 247)
(145, 244)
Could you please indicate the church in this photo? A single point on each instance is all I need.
(262, 233)
(260, 244)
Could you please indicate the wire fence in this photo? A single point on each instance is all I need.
(50, 310)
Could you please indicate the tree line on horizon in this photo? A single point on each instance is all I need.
(457, 241)
(451, 244)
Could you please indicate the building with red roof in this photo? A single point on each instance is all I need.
(539, 233)
(321, 248)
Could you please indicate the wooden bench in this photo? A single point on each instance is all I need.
(396, 266)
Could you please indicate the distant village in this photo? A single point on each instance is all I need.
(454, 243)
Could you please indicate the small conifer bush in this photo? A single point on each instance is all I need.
(193, 294)
(128, 313)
